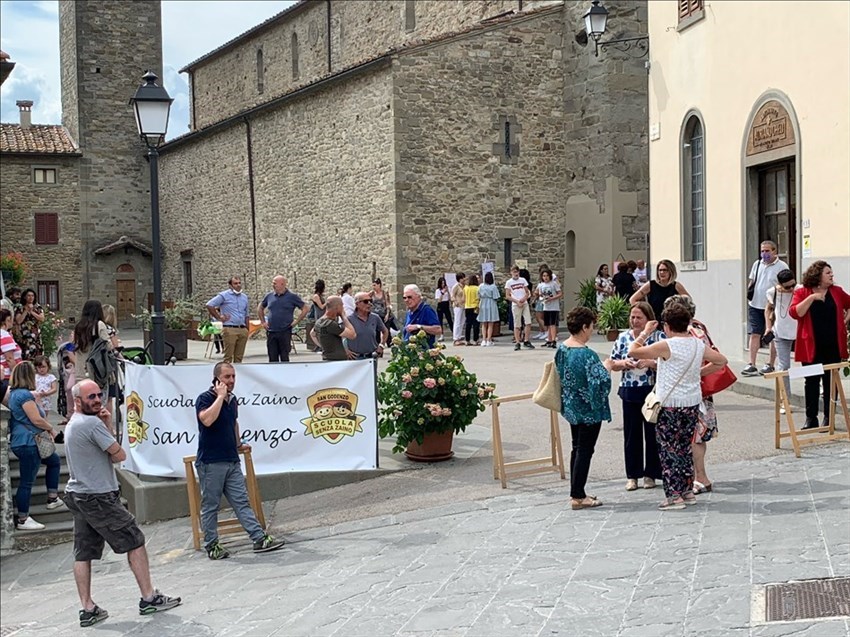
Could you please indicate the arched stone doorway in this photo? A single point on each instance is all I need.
(771, 163)
(125, 292)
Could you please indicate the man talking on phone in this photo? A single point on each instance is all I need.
(218, 466)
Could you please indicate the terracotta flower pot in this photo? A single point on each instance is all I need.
(612, 335)
(435, 447)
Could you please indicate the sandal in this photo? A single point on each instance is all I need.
(671, 505)
(690, 499)
(699, 487)
(587, 503)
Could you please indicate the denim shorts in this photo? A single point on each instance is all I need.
(755, 320)
(99, 518)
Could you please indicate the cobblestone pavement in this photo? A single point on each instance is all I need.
(521, 563)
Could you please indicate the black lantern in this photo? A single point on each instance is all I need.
(152, 105)
(595, 20)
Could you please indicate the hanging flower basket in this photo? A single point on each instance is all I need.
(13, 268)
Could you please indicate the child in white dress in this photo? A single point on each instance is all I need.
(45, 383)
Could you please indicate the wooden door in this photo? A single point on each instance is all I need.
(126, 295)
(778, 211)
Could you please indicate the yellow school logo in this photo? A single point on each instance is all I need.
(137, 429)
(333, 414)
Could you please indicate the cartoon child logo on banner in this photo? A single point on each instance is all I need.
(333, 414)
(137, 429)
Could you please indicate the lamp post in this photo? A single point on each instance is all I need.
(595, 23)
(152, 105)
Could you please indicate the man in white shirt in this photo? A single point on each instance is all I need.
(763, 276)
(517, 293)
(640, 272)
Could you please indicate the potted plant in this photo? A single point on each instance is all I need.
(426, 397)
(586, 294)
(178, 319)
(613, 316)
(13, 268)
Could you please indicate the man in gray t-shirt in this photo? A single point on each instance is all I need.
(328, 333)
(92, 496)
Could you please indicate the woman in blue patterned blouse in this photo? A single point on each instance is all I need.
(637, 380)
(585, 385)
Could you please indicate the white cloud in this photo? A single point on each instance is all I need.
(29, 33)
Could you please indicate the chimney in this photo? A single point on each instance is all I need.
(26, 112)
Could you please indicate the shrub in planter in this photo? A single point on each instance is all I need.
(613, 314)
(586, 294)
(424, 391)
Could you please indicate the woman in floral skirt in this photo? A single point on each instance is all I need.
(680, 364)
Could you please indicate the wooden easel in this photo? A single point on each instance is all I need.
(825, 433)
(554, 462)
(228, 526)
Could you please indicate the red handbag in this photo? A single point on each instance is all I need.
(718, 381)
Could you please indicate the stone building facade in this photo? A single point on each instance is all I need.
(102, 187)
(436, 136)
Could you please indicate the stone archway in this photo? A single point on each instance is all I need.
(771, 180)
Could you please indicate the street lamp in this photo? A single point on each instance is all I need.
(152, 104)
(595, 23)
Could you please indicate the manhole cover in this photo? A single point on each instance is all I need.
(810, 599)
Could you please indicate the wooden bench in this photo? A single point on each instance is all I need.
(231, 525)
(824, 433)
(503, 470)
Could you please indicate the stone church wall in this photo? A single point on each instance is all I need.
(205, 208)
(323, 170)
(458, 197)
(359, 31)
(20, 199)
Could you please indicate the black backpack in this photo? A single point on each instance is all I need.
(101, 365)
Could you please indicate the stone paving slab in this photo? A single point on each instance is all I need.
(517, 564)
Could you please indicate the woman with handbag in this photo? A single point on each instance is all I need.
(25, 425)
(680, 364)
(585, 384)
(706, 428)
(88, 329)
(636, 381)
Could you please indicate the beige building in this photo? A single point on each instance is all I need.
(748, 126)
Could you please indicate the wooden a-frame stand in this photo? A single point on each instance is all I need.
(503, 470)
(825, 433)
(231, 525)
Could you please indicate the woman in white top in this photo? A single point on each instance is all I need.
(781, 324)
(681, 359)
(444, 304)
(603, 284)
(347, 300)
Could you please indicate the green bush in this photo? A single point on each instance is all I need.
(586, 294)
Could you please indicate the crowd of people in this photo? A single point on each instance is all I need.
(665, 354)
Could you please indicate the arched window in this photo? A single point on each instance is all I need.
(693, 190)
(294, 44)
(570, 250)
(260, 70)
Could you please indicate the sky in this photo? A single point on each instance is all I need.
(29, 33)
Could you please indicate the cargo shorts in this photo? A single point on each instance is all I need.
(101, 518)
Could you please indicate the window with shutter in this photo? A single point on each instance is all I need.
(690, 11)
(46, 228)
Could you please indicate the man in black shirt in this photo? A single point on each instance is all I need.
(624, 283)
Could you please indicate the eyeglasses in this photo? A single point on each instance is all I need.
(408, 297)
(790, 286)
(367, 301)
(663, 270)
(93, 396)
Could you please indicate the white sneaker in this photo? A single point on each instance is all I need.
(56, 504)
(442, 338)
(540, 336)
(29, 525)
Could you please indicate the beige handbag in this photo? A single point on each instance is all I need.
(548, 393)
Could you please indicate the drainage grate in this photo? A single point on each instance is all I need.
(810, 599)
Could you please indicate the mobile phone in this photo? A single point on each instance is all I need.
(216, 381)
(767, 339)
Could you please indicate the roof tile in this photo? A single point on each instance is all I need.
(41, 139)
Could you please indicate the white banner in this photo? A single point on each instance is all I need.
(295, 416)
